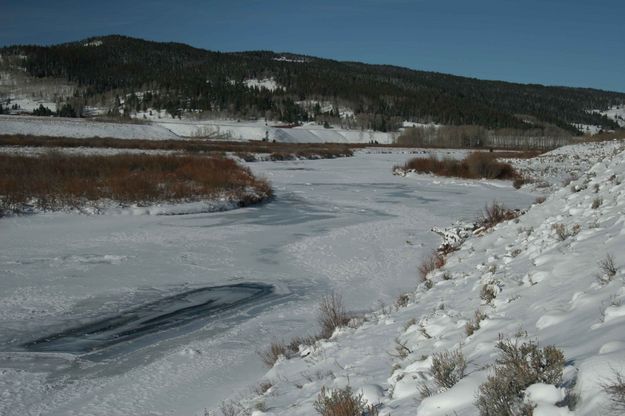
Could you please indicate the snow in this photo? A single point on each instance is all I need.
(267, 83)
(28, 104)
(616, 113)
(170, 128)
(548, 290)
(346, 225)
(80, 128)
(590, 129)
(94, 43)
(285, 59)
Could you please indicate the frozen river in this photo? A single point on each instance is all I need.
(145, 315)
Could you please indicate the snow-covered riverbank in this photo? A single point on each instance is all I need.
(346, 225)
(547, 279)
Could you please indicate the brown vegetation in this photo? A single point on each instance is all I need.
(332, 314)
(55, 181)
(242, 149)
(429, 264)
(518, 367)
(448, 368)
(476, 165)
(342, 402)
(494, 214)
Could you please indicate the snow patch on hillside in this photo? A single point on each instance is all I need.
(267, 83)
(616, 113)
(94, 43)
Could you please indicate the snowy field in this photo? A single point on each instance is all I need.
(73, 282)
(170, 128)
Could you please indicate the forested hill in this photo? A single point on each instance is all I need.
(180, 78)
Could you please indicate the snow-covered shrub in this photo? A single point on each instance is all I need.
(342, 402)
(519, 366)
(488, 293)
(402, 301)
(332, 314)
(448, 368)
(562, 232)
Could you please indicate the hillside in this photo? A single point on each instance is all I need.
(127, 75)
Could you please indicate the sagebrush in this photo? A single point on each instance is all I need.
(520, 364)
(342, 402)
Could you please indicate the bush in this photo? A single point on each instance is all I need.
(433, 262)
(608, 268)
(342, 402)
(616, 391)
(518, 367)
(273, 353)
(494, 214)
(448, 368)
(332, 314)
(596, 203)
(476, 165)
(55, 181)
(562, 232)
(472, 326)
(488, 293)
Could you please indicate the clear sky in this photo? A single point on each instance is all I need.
(553, 42)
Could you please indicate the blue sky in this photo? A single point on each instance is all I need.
(553, 42)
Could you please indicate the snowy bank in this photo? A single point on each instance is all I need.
(544, 278)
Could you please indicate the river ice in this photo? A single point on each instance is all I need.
(345, 225)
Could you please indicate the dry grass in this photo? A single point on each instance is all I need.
(563, 232)
(273, 353)
(302, 151)
(55, 181)
(495, 213)
(332, 314)
(473, 325)
(476, 165)
(433, 262)
(342, 402)
(616, 391)
(448, 368)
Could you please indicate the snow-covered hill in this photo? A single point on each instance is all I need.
(170, 128)
(549, 282)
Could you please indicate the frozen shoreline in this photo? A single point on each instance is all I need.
(345, 225)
